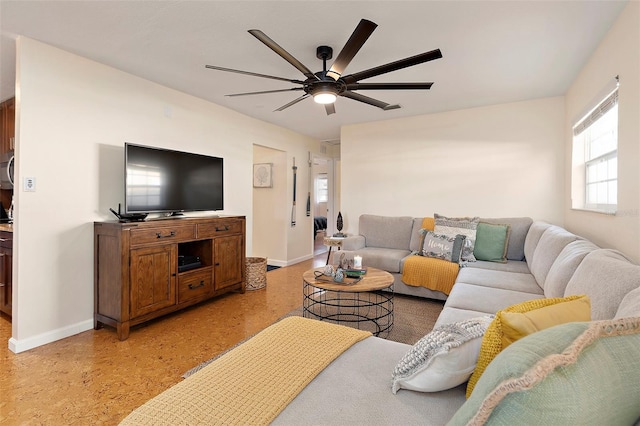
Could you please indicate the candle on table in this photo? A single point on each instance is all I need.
(357, 262)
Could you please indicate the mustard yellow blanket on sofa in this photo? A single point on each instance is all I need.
(434, 274)
(254, 382)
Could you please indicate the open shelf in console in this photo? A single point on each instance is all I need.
(194, 254)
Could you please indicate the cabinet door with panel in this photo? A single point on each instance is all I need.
(6, 259)
(144, 270)
(228, 261)
(153, 279)
(7, 125)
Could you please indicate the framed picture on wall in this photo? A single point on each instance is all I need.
(262, 175)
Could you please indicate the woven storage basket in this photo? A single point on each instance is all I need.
(256, 273)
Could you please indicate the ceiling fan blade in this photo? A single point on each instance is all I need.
(293, 102)
(389, 86)
(370, 101)
(283, 53)
(265, 91)
(360, 35)
(393, 66)
(330, 108)
(254, 74)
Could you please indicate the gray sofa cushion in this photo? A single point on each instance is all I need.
(381, 258)
(386, 231)
(551, 243)
(630, 305)
(606, 276)
(416, 238)
(486, 299)
(519, 228)
(565, 265)
(511, 266)
(524, 283)
(353, 242)
(452, 315)
(533, 236)
(362, 376)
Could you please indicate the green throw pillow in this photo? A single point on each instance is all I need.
(492, 242)
(575, 373)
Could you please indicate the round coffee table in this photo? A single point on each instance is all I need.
(366, 304)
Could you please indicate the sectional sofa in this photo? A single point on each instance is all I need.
(387, 242)
(584, 372)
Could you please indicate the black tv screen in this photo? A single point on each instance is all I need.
(162, 180)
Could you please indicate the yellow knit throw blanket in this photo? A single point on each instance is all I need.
(434, 274)
(254, 382)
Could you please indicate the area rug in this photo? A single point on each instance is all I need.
(413, 318)
(271, 267)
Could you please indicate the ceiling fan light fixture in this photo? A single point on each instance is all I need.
(324, 92)
(325, 97)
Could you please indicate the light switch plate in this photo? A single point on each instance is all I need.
(30, 184)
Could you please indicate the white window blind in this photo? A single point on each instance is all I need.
(594, 183)
(322, 188)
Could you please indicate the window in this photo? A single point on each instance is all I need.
(594, 180)
(322, 188)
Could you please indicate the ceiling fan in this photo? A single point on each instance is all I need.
(326, 85)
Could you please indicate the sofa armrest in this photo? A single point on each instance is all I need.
(353, 242)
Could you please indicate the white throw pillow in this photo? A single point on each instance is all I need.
(443, 359)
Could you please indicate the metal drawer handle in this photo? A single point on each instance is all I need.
(193, 287)
(226, 228)
(171, 234)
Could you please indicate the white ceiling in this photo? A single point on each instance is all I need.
(493, 51)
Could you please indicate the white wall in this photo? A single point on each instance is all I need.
(618, 54)
(496, 161)
(271, 218)
(73, 117)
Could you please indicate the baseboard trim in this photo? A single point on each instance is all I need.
(22, 345)
(299, 259)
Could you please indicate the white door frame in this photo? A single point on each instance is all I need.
(331, 182)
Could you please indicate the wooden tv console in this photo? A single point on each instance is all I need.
(136, 266)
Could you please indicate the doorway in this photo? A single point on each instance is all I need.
(325, 197)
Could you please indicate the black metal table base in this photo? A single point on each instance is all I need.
(370, 311)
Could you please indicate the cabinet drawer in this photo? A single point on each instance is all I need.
(194, 284)
(219, 228)
(162, 235)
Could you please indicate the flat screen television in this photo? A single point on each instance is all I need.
(165, 181)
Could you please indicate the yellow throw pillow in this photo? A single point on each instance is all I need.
(492, 341)
(515, 326)
(429, 224)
